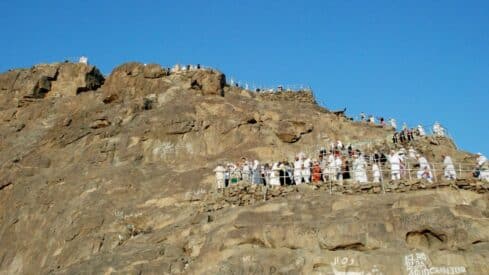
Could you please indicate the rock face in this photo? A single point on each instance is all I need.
(115, 177)
(60, 79)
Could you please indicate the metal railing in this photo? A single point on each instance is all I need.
(333, 176)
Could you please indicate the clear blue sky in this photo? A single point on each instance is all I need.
(417, 61)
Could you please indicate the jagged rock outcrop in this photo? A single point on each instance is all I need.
(59, 79)
(115, 177)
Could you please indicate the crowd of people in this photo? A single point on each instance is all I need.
(339, 164)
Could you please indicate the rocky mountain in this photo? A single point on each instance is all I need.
(113, 175)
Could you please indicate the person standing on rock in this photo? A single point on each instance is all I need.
(316, 172)
(449, 169)
(275, 175)
(395, 162)
(421, 131)
(338, 165)
(331, 167)
(306, 170)
(246, 171)
(393, 123)
(298, 170)
(323, 165)
(220, 173)
(424, 171)
(256, 173)
(359, 169)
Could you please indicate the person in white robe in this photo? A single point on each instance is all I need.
(306, 170)
(331, 167)
(338, 167)
(424, 171)
(275, 175)
(449, 168)
(395, 162)
(246, 171)
(220, 171)
(359, 170)
(393, 123)
(482, 167)
(298, 170)
(256, 173)
(421, 130)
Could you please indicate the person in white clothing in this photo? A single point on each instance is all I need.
(395, 162)
(449, 169)
(331, 167)
(393, 123)
(338, 165)
(376, 172)
(421, 130)
(481, 159)
(424, 171)
(275, 175)
(220, 171)
(359, 169)
(298, 170)
(306, 170)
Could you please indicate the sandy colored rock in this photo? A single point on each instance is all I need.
(117, 179)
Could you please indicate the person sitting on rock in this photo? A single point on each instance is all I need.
(220, 174)
(448, 168)
(359, 169)
(424, 171)
(395, 162)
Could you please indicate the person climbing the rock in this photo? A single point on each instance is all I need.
(395, 162)
(448, 168)
(220, 174)
(424, 171)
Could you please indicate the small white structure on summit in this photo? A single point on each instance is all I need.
(83, 59)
